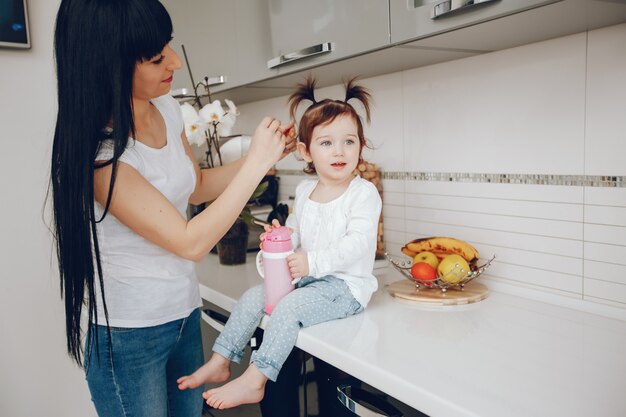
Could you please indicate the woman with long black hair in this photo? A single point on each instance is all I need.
(122, 175)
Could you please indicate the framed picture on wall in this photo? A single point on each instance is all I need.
(14, 32)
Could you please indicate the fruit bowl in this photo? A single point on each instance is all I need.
(458, 280)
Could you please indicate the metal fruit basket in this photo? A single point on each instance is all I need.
(457, 279)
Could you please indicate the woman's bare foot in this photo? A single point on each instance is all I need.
(247, 389)
(217, 369)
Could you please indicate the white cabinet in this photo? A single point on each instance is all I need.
(229, 38)
(308, 33)
(499, 24)
(412, 19)
(237, 38)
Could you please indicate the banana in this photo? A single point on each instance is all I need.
(442, 246)
(408, 252)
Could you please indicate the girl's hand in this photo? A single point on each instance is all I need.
(268, 228)
(268, 143)
(298, 264)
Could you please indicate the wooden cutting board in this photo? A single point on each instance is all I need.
(405, 291)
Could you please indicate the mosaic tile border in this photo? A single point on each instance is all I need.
(611, 181)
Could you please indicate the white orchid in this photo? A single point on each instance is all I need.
(224, 128)
(194, 125)
(207, 125)
(212, 112)
(209, 120)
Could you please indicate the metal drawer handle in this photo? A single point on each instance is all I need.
(347, 395)
(451, 6)
(322, 48)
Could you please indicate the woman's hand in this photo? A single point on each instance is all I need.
(268, 143)
(298, 264)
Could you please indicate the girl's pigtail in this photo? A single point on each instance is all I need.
(304, 91)
(360, 93)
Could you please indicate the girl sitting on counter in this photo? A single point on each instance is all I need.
(334, 230)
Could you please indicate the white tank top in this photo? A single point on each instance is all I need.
(144, 284)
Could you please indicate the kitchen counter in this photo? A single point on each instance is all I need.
(504, 356)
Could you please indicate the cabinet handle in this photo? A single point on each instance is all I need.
(322, 48)
(347, 395)
(214, 319)
(211, 81)
(450, 6)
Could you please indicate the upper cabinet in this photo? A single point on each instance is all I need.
(262, 48)
(411, 19)
(308, 33)
(227, 41)
(490, 25)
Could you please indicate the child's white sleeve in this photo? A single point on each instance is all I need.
(292, 223)
(293, 220)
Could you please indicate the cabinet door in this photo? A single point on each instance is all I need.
(229, 38)
(414, 19)
(202, 27)
(352, 27)
(254, 44)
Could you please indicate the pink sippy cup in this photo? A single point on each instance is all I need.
(271, 263)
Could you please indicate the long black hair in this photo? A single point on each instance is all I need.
(97, 44)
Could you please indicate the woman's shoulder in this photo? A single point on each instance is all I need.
(106, 148)
(170, 109)
(168, 105)
(165, 100)
(130, 155)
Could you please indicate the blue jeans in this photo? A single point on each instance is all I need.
(315, 300)
(136, 376)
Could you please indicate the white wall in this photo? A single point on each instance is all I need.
(36, 376)
(549, 108)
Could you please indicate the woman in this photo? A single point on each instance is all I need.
(122, 176)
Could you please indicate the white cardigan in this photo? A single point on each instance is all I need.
(339, 236)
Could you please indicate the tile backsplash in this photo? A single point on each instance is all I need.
(519, 152)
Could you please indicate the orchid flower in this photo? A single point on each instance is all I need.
(212, 112)
(228, 120)
(209, 121)
(194, 125)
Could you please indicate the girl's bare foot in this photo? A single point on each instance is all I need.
(217, 369)
(247, 389)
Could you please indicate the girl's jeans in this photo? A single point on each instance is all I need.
(315, 300)
(137, 377)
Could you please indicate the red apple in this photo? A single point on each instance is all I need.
(423, 272)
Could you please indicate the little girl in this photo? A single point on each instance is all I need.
(334, 228)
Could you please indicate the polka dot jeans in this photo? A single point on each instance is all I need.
(315, 300)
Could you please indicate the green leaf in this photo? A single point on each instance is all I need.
(247, 217)
(260, 190)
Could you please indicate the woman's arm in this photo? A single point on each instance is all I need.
(213, 181)
(142, 208)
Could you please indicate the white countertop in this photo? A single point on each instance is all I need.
(505, 356)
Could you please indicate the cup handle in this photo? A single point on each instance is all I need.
(259, 264)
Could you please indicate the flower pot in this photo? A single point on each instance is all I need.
(232, 248)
